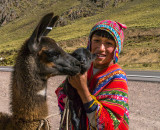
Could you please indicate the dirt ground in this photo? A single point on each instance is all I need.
(143, 101)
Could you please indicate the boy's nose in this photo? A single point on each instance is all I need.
(102, 46)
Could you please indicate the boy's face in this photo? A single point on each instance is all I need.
(104, 49)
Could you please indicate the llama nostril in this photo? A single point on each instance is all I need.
(83, 61)
(77, 63)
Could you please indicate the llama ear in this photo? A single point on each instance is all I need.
(35, 38)
(51, 24)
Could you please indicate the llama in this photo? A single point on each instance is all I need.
(74, 102)
(38, 59)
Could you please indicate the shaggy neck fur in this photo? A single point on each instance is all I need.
(26, 103)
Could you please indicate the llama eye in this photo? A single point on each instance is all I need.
(75, 55)
(52, 53)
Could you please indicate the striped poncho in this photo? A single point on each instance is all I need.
(109, 91)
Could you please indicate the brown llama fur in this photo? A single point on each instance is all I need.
(38, 59)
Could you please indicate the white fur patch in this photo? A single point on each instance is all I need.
(42, 92)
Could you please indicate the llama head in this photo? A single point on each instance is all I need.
(50, 59)
(85, 57)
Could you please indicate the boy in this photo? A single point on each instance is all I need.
(103, 89)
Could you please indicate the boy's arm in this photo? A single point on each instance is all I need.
(109, 109)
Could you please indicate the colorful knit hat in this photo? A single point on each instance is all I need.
(115, 29)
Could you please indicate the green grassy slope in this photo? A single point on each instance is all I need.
(140, 16)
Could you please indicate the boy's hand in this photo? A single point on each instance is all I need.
(79, 82)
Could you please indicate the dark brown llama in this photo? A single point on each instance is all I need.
(38, 59)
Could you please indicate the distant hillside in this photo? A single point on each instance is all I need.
(142, 41)
(13, 9)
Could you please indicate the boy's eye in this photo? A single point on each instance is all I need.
(108, 43)
(96, 40)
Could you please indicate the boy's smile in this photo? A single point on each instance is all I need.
(104, 49)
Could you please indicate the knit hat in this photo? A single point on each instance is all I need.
(115, 29)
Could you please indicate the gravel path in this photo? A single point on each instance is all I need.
(143, 100)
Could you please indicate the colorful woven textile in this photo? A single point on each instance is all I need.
(110, 94)
(111, 91)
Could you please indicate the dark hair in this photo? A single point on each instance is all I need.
(103, 33)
